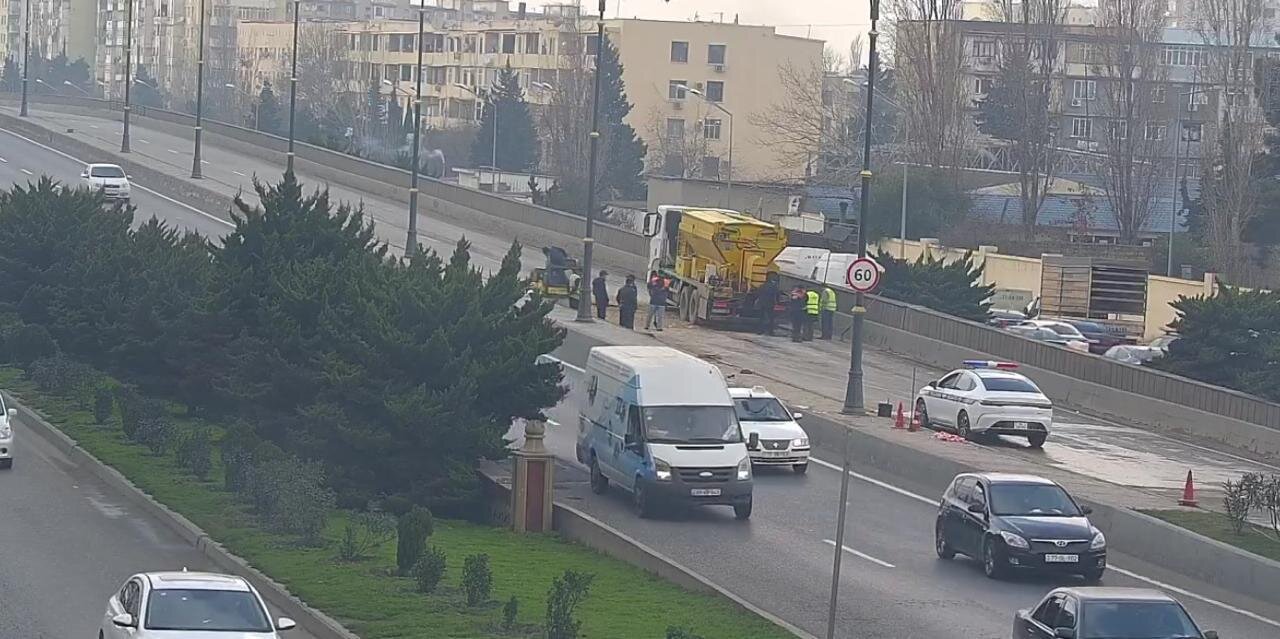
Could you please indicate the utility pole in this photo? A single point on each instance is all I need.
(26, 56)
(584, 294)
(128, 73)
(1173, 216)
(293, 81)
(853, 400)
(411, 242)
(195, 158)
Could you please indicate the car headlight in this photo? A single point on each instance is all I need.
(6, 431)
(661, 470)
(1099, 541)
(744, 469)
(1014, 541)
(800, 442)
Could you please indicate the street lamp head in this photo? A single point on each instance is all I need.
(229, 85)
(387, 82)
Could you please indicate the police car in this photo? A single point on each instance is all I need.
(986, 398)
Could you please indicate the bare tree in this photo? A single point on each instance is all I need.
(1129, 68)
(678, 150)
(929, 56)
(329, 85)
(855, 53)
(1227, 193)
(806, 120)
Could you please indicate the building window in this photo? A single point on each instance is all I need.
(1157, 95)
(984, 48)
(715, 91)
(711, 128)
(675, 129)
(1237, 98)
(1183, 56)
(508, 43)
(715, 53)
(1081, 128)
(1119, 130)
(406, 72)
(676, 89)
(531, 43)
(679, 51)
(593, 44)
(711, 167)
(981, 86)
(1156, 131)
(1084, 89)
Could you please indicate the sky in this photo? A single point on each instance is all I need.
(836, 21)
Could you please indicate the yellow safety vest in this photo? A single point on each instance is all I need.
(811, 303)
(828, 300)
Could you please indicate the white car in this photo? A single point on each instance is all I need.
(1064, 334)
(986, 398)
(108, 178)
(7, 416)
(782, 441)
(187, 605)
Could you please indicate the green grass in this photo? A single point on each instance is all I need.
(1254, 539)
(624, 602)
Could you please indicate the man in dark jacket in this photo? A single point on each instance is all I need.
(658, 289)
(600, 293)
(627, 301)
(796, 310)
(766, 298)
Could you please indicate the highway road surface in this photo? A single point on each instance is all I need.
(67, 542)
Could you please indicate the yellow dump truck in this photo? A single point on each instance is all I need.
(716, 260)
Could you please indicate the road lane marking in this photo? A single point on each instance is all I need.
(27, 172)
(93, 126)
(144, 141)
(138, 186)
(204, 161)
(876, 482)
(239, 173)
(173, 152)
(3, 161)
(863, 555)
(1188, 593)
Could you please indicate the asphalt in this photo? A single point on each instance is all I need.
(68, 542)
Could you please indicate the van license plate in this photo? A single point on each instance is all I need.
(704, 492)
(1020, 425)
(1061, 559)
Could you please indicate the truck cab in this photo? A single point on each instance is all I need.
(660, 424)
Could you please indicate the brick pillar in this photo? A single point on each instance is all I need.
(531, 482)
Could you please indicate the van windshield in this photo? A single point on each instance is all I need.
(691, 424)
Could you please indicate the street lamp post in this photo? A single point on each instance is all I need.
(729, 173)
(128, 72)
(411, 241)
(195, 158)
(293, 86)
(26, 56)
(584, 294)
(906, 140)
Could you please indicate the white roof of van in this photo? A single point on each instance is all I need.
(668, 377)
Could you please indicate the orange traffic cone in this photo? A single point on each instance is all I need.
(1189, 493)
(899, 421)
(915, 422)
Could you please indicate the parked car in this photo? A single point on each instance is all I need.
(986, 399)
(1018, 522)
(1042, 334)
(1106, 612)
(1004, 318)
(1138, 355)
(1100, 337)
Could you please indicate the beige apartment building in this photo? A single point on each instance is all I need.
(727, 68)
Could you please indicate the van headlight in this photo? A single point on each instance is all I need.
(744, 469)
(661, 470)
(1014, 541)
(1099, 541)
(800, 442)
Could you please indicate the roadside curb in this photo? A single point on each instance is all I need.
(318, 624)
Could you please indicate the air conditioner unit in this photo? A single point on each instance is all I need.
(718, 68)
(1093, 146)
(1082, 144)
(1077, 102)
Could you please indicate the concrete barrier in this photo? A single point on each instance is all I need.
(316, 623)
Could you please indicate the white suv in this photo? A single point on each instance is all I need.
(108, 178)
(782, 441)
(175, 605)
(7, 416)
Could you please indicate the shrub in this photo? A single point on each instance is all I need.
(29, 343)
(509, 612)
(567, 591)
(429, 569)
(477, 578)
(1264, 495)
(58, 374)
(194, 452)
(290, 496)
(135, 408)
(411, 537)
(680, 633)
(104, 403)
(156, 433)
(365, 533)
(237, 445)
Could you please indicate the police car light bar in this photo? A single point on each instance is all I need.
(982, 363)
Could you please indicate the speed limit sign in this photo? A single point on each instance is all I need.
(863, 276)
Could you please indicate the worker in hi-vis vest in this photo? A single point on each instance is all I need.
(811, 308)
(828, 312)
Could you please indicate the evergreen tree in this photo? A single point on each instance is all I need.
(517, 148)
(146, 91)
(267, 116)
(1231, 339)
(953, 288)
(623, 170)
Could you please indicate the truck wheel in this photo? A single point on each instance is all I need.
(684, 300)
(640, 501)
(599, 483)
(742, 510)
(1037, 440)
(801, 468)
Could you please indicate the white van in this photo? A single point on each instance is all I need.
(660, 424)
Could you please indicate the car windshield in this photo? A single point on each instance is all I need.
(205, 610)
(1038, 500)
(107, 172)
(1089, 327)
(760, 409)
(679, 424)
(1136, 620)
(1009, 385)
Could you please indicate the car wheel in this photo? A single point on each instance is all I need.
(991, 566)
(962, 426)
(1093, 577)
(742, 510)
(923, 413)
(599, 483)
(1037, 440)
(640, 501)
(940, 543)
(6, 463)
(800, 468)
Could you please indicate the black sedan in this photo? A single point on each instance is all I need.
(1107, 613)
(1100, 337)
(1018, 522)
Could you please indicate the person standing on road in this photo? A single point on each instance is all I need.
(600, 293)
(627, 301)
(812, 304)
(795, 308)
(657, 301)
(828, 312)
(766, 298)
